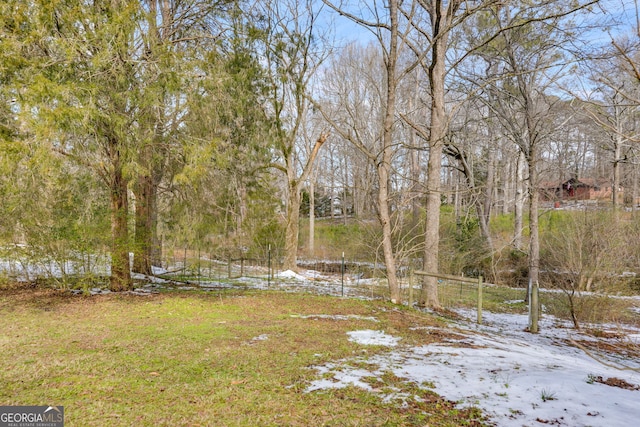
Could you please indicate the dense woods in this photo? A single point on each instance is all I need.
(469, 137)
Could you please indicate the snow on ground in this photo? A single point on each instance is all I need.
(150, 279)
(26, 269)
(370, 337)
(335, 317)
(288, 274)
(516, 378)
(158, 270)
(262, 337)
(312, 283)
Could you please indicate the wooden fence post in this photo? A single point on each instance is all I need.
(411, 280)
(479, 300)
(534, 314)
(184, 261)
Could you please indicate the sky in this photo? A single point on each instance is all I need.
(613, 17)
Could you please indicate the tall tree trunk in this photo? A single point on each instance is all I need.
(518, 223)
(489, 195)
(534, 235)
(145, 196)
(531, 149)
(617, 148)
(384, 216)
(148, 247)
(312, 216)
(120, 271)
(384, 165)
(437, 74)
(241, 192)
(429, 294)
(292, 228)
(156, 247)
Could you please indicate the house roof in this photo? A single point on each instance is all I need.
(576, 182)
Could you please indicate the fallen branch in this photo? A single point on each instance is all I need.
(599, 359)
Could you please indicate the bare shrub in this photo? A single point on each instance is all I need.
(583, 252)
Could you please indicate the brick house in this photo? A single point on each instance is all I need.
(576, 189)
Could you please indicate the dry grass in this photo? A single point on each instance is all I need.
(228, 359)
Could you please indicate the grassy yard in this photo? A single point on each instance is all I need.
(204, 359)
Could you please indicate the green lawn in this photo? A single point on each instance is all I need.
(202, 359)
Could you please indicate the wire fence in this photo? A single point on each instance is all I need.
(215, 266)
(23, 263)
(456, 291)
(341, 277)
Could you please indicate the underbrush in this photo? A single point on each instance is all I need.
(590, 308)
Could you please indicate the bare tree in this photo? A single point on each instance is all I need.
(613, 107)
(293, 55)
(434, 23)
(384, 23)
(532, 65)
(356, 93)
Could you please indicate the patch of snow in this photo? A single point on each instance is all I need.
(158, 270)
(149, 279)
(214, 285)
(288, 274)
(341, 378)
(518, 383)
(371, 337)
(515, 377)
(634, 338)
(313, 274)
(142, 291)
(335, 317)
(332, 286)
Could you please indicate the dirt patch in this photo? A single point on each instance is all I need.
(45, 299)
(555, 422)
(620, 347)
(599, 333)
(417, 328)
(616, 382)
